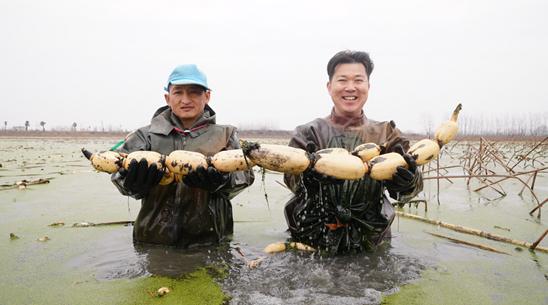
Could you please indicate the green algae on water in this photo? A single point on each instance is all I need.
(451, 283)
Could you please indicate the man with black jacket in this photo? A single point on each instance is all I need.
(345, 216)
(197, 211)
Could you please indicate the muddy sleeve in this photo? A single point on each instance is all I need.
(137, 141)
(406, 197)
(301, 136)
(394, 139)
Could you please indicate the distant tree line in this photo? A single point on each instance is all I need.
(492, 125)
(259, 126)
(109, 128)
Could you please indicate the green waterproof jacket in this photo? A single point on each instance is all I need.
(352, 217)
(175, 214)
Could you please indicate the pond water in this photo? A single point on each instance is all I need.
(101, 263)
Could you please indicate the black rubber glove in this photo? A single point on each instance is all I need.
(139, 176)
(311, 178)
(209, 179)
(404, 180)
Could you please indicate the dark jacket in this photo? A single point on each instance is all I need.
(175, 214)
(362, 203)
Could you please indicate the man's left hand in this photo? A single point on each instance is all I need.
(404, 180)
(313, 179)
(209, 179)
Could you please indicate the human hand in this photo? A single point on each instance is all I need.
(313, 179)
(140, 176)
(209, 179)
(404, 180)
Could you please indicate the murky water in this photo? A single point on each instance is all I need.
(47, 271)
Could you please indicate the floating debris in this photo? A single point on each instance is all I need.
(275, 247)
(256, 262)
(83, 224)
(90, 224)
(281, 246)
(24, 183)
(43, 239)
(13, 236)
(57, 224)
(502, 228)
(162, 291)
(300, 246)
(74, 171)
(125, 222)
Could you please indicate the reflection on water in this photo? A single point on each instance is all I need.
(116, 260)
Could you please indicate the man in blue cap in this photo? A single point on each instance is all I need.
(197, 211)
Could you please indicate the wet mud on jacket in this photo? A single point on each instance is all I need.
(352, 217)
(175, 214)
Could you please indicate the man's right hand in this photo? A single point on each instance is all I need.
(139, 176)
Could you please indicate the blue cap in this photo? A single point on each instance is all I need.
(187, 75)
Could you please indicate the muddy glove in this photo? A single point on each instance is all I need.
(311, 178)
(139, 176)
(404, 180)
(209, 179)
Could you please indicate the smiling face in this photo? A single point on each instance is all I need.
(349, 88)
(187, 102)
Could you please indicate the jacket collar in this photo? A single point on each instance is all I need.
(164, 121)
(347, 123)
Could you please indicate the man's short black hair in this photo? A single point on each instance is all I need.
(350, 57)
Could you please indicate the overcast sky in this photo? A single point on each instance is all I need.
(105, 63)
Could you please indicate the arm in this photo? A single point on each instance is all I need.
(292, 181)
(306, 138)
(135, 142)
(406, 183)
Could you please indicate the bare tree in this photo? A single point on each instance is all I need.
(43, 123)
(428, 123)
(509, 125)
(27, 124)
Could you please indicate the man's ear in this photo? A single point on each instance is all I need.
(207, 96)
(329, 87)
(166, 96)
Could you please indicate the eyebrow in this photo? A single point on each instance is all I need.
(344, 75)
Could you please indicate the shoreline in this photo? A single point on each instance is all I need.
(242, 134)
(120, 135)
